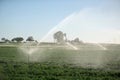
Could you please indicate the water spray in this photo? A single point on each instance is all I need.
(101, 46)
(74, 47)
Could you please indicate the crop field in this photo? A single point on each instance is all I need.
(60, 63)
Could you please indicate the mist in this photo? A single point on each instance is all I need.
(96, 25)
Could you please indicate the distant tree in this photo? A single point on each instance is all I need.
(13, 40)
(5, 40)
(30, 38)
(17, 39)
(76, 40)
(59, 36)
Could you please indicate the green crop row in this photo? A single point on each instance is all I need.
(50, 71)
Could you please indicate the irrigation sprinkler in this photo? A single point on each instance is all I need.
(28, 61)
(28, 58)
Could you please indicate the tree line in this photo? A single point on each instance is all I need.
(59, 37)
(18, 39)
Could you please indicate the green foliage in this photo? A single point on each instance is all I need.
(48, 71)
(30, 38)
(14, 67)
(18, 39)
(5, 40)
(59, 36)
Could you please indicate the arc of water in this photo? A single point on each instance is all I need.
(61, 24)
(74, 47)
(101, 46)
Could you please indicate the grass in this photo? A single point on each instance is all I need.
(57, 64)
(50, 71)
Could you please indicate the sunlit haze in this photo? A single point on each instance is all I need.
(96, 21)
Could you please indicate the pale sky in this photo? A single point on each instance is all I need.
(90, 20)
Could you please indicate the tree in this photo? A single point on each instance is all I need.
(5, 40)
(59, 36)
(17, 39)
(13, 40)
(30, 38)
(77, 41)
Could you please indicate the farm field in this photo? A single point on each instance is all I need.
(58, 63)
(59, 39)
